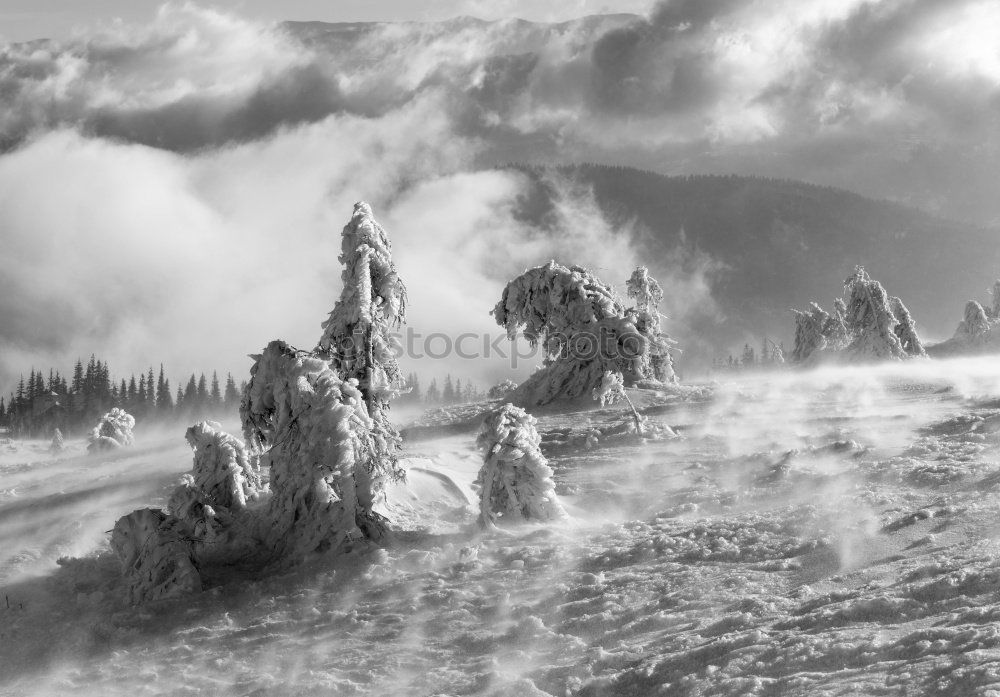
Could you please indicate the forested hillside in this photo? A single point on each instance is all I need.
(770, 245)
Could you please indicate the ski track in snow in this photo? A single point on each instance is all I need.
(831, 532)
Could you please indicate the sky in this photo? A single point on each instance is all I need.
(173, 185)
(24, 20)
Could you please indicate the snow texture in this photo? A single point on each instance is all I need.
(113, 432)
(585, 331)
(515, 480)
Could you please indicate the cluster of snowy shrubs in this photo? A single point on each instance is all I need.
(866, 325)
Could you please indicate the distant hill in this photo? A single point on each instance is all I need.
(782, 244)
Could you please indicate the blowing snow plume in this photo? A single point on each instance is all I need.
(585, 331)
(318, 422)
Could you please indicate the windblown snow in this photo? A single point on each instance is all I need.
(810, 532)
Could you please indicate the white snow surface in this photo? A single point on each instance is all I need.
(811, 532)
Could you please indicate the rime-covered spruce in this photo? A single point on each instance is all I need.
(515, 480)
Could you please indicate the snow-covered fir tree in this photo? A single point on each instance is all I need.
(357, 338)
(316, 438)
(870, 320)
(647, 294)
(57, 445)
(905, 329)
(515, 480)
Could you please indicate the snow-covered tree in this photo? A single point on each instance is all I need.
(905, 330)
(835, 330)
(357, 338)
(114, 431)
(318, 423)
(870, 320)
(502, 389)
(868, 326)
(316, 438)
(515, 480)
(156, 556)
(212, 500)
(57, 445)
(995, 292)
(611, 391)
(975, 327)
(583, 329)
(647, 294)
(810, 337)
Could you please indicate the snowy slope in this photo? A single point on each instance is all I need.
(829, 532)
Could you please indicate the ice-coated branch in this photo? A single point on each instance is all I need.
(515, 480)
(612, 390)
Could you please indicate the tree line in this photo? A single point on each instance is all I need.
(452, 391)
(42, 403)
